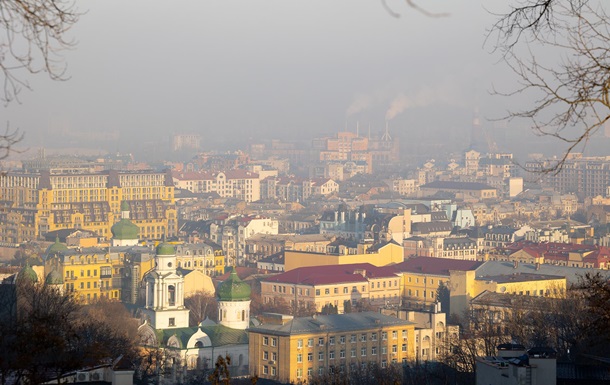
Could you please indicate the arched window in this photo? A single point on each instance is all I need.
(199, 344)
(171, 295)
(243, 315)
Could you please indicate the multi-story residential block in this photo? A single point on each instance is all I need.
(88, 274)
(470, 191)
(205, 256)
(583, 176)
(233, 233)
(293, 349)
(342, 253)
(334, 285)
(239, 184)
(34, 204)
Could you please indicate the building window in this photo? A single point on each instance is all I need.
(265, 340)
(384, 350)
(404, 334)
(299, 343)
(309, 357)
(345, 290)
(331, 340)
(265, 369)
(342, 340)
(394, 334)
(321, 356)
(309, 372)
(310, 342)
(352, 339)
(331, 355)
(384, 335)
(363, 352)
(342, 354)
(317, 291)
(394, 349)
(404, 347)
(363, 337)
(327, 291)
(374, 350)
(320, 341)
(172, 322)
(273, 341)
(299, 372)
(353, 353)
(274, 356)
(384, 364)
(373, 336)
(299, 357)
(273, 371)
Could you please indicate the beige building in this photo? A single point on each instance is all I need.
(377, 255)
(338, 285)
(37, 203)
(291, 350)
(239, 184)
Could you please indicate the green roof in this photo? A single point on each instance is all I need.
(54, 278)
(124, 206)
(55, 248)
(165, 249)
(27, 274)
(233, 289)
(124, 229)
(219, 335)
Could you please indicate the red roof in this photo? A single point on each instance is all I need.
(435, 266)
(328, 275)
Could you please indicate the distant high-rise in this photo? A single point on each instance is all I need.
(186, 142)
(478, 138)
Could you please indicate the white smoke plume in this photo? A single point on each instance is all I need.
(423, 98)
(360, 103)
(398, 105)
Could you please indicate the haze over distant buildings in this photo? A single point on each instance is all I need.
(241, 71)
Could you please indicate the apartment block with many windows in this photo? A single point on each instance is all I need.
(294, 349)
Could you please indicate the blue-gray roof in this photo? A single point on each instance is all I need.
(350, 322)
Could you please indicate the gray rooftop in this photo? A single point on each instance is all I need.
(350, 322)
(572, 274)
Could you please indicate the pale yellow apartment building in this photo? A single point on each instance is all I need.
(291, 350)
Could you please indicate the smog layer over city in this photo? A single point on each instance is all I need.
(312, 192)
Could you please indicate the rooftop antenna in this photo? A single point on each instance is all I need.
(386, 135)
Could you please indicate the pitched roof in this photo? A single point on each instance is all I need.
(435, 266)
(331, 323)
(328, 275)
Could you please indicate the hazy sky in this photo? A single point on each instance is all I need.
(234, 70)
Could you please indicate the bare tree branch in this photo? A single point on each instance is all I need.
(573, 92)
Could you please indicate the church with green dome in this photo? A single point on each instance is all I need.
(125, 232)
(166, 318)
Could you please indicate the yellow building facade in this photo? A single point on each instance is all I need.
(334, 285)
(388, 254)
(36, 203)
(291, 350)
(88, 276)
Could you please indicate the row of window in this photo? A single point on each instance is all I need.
(353, 338)
(341, 368)
(342, 353)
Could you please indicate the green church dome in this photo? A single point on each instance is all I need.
(27, 274)
(233, 289)
(54, 278)
(165, 249)
(124, 229)
(55, 248)
(124, 206)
